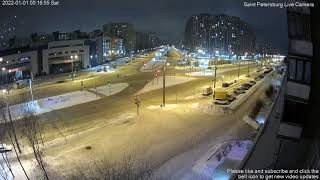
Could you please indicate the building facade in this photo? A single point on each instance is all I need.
(146, 41)
(62, 56)
(123, 31)
(291, 138)
(20, 63)
(219, 34)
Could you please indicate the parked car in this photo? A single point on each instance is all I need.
(247, 85)
(4, 148)
(239, 91)
(245, 88)
(221, 102)
(257, 78)
(99, 70)
(207, 92)
(225, 85)
(231, 97)
(252, 82)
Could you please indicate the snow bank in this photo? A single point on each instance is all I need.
(217, 155)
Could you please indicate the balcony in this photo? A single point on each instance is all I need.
(279, 145)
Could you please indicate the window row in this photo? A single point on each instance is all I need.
(299, 70)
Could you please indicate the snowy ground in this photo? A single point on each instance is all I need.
(207, 166)
(16, 168)
(230, 151)
(206, 72)
(151, 65)
(45, 105)
(110, 90)
(156, 83)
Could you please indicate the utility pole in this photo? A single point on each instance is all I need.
(238, 69)
(72, 67)
(248, 68)
(164, 84)
(215, 81)
(72, 70)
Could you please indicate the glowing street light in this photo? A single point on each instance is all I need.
(72, 59)
(1, 59)
(200, 51)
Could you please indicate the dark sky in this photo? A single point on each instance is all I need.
(165, 17)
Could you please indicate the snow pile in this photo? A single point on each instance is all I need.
(233, 151)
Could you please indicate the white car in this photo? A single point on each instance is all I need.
(221, 102)
(4, 148)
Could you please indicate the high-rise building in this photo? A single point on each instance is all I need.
(123, 31)
(146, 40)
(222, 34)
(264, 49)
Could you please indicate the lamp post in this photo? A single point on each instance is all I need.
(71, 57)
(6, 74)
(239, 68)
(164, 83)
(72, 65)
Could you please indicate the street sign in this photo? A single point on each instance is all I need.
(18, 74)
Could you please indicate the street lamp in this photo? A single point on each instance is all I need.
(164, 83)
(72, 65)
(248, 64)
(4, 70)
(215, 81)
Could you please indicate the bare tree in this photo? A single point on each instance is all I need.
(125, 169)
(7, 129)
(4, 161)
(32, 132)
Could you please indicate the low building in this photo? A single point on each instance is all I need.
(20, 63)
(62, 56)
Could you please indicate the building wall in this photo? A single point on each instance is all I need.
(123, 31)
(60, 52)
(26, 61)
(222, 33)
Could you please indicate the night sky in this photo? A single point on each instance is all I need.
(165, 17)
